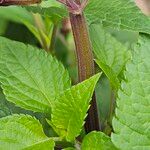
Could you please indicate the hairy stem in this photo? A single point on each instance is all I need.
(85, 63)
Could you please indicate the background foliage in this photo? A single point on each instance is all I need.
(121, 53)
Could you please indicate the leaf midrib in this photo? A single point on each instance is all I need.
(29, 75)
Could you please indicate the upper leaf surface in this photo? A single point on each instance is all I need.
(23, 132)
(70, 109)
(97, 141)
(119, 14)
(132, 122)
(30, 77)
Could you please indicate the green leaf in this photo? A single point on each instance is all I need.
(70, 109)
(119, 14)
(23, 132)
(111, 55)
(7, 108)
(132, 122)
(110, 74)
(16, 14)
(97, 141)
(4, 108)
(3, 26)
(53, 9)
(20, 15)
(31, 78)
(103, 96)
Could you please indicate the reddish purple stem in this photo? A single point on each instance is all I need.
(18, 2)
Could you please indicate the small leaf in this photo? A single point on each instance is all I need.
(23, 132)
(97, 141)
(119, 14)
(31, 78)
(70, 109)
(132, 122)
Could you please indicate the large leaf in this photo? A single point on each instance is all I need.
(70, 109)
(119, 14)
(30, 77)
(111, 55)
(132, 121)
(23, 132)
(97, 141)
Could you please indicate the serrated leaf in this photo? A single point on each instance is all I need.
(31, 78)
(119, 14)
(132, 122)
(97, 141)
(23, 132)
(70, 109)
(111, 55)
